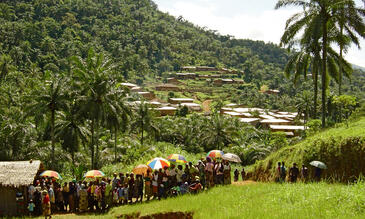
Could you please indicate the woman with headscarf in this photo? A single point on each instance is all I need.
(83, 202)
(46, 205)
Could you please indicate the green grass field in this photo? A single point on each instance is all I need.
(260, 200)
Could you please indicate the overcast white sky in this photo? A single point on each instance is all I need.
(247, 19)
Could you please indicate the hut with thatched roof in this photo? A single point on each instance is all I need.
(15, 177)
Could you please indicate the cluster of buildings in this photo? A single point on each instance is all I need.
(276, 121)
(164, 109)
(217, 79)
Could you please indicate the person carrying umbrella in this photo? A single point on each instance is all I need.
(318, 169)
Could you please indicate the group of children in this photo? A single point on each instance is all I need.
(47, 196)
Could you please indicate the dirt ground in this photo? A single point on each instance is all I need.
(206, 105)
(244, 183)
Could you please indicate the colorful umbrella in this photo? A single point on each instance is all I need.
(158, 163)
(215, 154)
(51, 174)
(141, 169)
(94, 174)
(176, 158)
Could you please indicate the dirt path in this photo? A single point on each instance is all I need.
(206, 106)
(244, 183)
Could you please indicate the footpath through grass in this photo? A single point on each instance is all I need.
(261, 200)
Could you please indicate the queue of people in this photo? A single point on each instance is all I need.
(47, 196)
(282, 175)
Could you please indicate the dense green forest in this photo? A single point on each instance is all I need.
(62, 63)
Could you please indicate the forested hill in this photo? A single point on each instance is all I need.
(140, 38)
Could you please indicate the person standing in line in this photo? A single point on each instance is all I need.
(220, 172)
(226, 172)
(243, 174)
(46, 205)
(293, 173)
(148, 185)
(278, 173)
(209, 168)
(317, 174)
(179, 175)
(236, 175)
(282, 172)
(304, 173)
(155, 184)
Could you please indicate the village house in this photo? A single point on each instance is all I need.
(209, 76)
(167, 87)
(167, 111)
(295, 130)
(206, 68)
(173, 81)
(251, 121)
(223, 81)
(129, 85)
(267, 122)
(147, 95)
(15, 177)
(136, 89)
(226, 109)
(180, 100)
(185, 76)
(271, 91)
(188, 68)
(192, 106)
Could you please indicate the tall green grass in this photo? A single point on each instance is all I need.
(342, 148)
(261, 200)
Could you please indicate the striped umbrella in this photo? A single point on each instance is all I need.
(94, 174)
(51, 174)
(158, 163)
(215, 154)
(178, 158)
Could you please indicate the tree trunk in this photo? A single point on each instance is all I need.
(53, 138)
(324, 66)
(92, 143)
(315, 95)
(142, 133)
(115, 144)
(97, 145)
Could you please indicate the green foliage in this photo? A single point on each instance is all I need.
(315, 200)
(314, 126)
(342, 149)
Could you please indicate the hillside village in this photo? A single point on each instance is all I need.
(179, 90)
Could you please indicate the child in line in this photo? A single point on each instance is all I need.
(31, 206)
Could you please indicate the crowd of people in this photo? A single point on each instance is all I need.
(47, 196)
(294, 173)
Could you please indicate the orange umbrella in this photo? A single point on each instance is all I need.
(141, 169)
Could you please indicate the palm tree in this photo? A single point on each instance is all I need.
(301, 63)
(70, 130)
(50, 99)
(349, 25)
(219, 132)
(143, 120)
(316, 20)
(91, 79)
(118, 113)
(5, 66)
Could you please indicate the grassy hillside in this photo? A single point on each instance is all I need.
(341, 148)
(260, 201)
